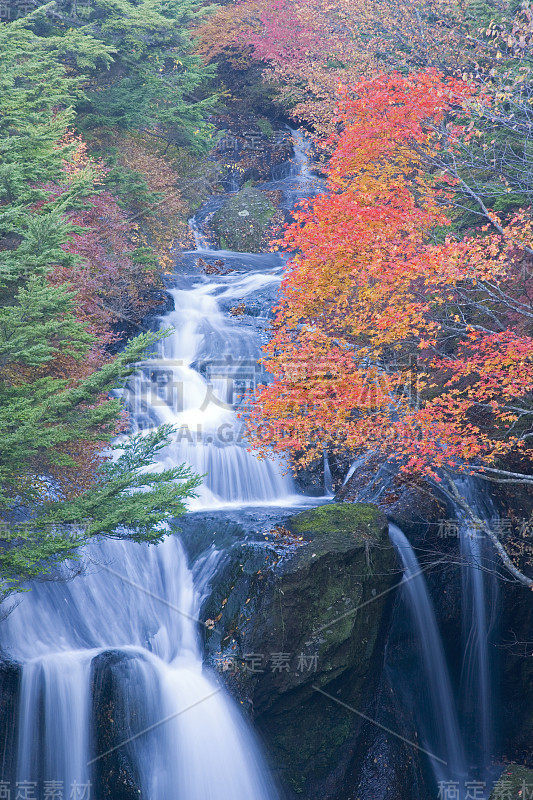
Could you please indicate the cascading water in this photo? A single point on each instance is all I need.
(474, 717)
(328, 481)
(200, 371)
(441, 731)
(480, 596)
(141, 602)
(464, 738)
(192, 385)
(138, 604)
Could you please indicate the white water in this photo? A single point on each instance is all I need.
(201, 372)
(193, 384)
(182, 735)
(443, 737)
(142, 601)
(479, 588)
(328, 481)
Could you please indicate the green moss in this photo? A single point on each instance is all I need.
(363, 519)
(265, 127)
(515, 783)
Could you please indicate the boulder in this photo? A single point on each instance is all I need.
(241, 223)
(116, 715)
(10, 679)
(302, 645)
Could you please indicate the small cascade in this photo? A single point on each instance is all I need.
(196, 382)
(200, 239)
(480, 597)
(54, 746)
(478, 687)
(201, 373)
(440, 725)
(176, 718)
(296, 177)
(328, 481)
(133, 610)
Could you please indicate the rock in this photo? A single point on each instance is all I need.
(309, 634)
(242, 221)
(10, 677)
(516, 684)
(159, 301)
(515, 783)
(115, 714)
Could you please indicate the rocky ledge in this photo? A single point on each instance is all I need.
(298, 636)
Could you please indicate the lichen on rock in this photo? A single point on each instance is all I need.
(515, 783)
(241, 223)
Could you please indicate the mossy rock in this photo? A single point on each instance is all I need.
(241, 223)
(322, 599)
(515, 783)
(363, 520)
(327, 601)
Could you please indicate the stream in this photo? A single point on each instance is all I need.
(127, 626)
(133, 612)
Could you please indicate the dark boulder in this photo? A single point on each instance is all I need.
(302, 644)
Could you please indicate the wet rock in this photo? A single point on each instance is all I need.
(250, 148)
(307, 639)
(515, 783)
(242, 221)
(160, 302)
(115, 716)
(10, 677)
(516, 655)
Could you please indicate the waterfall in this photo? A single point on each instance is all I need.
(442, 735)
(142, 603)
(201, 373)
(56, 743)
(328, 481)
(129, 619)
(477, 692)
(479, 590)
(196, 378)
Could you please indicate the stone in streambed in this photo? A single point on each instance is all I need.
(10, 681)
(117, 715)
(242, 221)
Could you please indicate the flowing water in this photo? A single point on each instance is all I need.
(141, 603)
(441, 734)
(478, 690)
(457, 725)
(131, 616)
(458, 730)
(132, 613)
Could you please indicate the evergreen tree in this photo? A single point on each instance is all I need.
(154, 82)
(57, 485)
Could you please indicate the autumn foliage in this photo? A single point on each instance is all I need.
(109, 283)
(167, 221)
(308, 47)
(393, 335)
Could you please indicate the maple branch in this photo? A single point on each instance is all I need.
(481, 524)
(494, 222)
(454, 172)
(519, 477)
